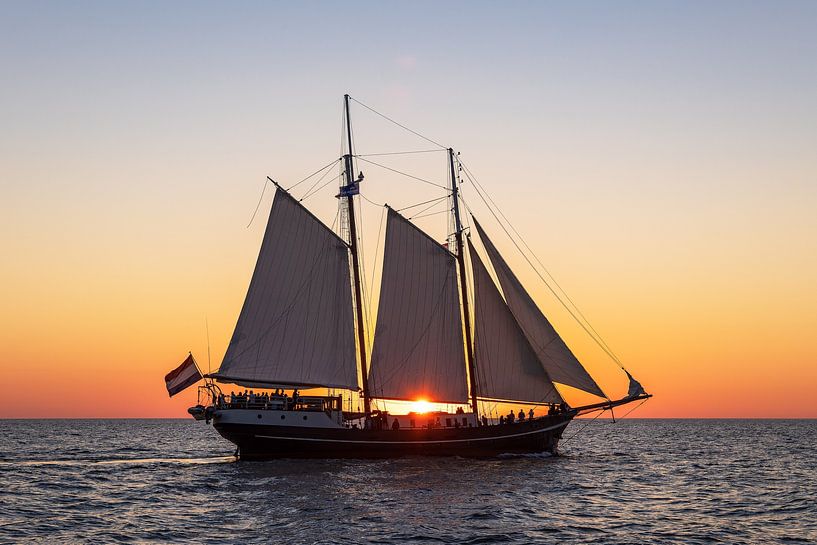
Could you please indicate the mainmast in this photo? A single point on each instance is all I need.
(469, 351)
(349, 192)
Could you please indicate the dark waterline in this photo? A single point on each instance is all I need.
(637, 481)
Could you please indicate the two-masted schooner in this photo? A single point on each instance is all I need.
(445, 333)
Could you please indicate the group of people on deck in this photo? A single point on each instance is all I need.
(510, 417)
(249, 398)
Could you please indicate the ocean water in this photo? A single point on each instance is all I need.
(635, 481)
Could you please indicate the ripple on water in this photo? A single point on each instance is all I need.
(176, 482)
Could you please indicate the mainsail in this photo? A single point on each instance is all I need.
(418, 350)
(296, 326)
(507, 366)
(557, 359)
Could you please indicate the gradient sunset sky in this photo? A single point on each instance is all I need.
(660, 158)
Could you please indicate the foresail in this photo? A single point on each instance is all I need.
(418, 350)
(559, 362)
(507, 366)
(296, 325)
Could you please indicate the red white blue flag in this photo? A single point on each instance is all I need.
(182, 376)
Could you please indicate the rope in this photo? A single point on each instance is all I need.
(582, 428)
(429, 214)
(370, 201)
(634, 408)
(404, 173)
(399, 153)
(309, 191)
(524, 243)
(429, 207)
(257, 206)
(480, 190)
(318, 189)
(376, 251)
(422, 203)
(398, 124)
(290, 188)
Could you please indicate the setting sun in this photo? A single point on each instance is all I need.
(421, 406)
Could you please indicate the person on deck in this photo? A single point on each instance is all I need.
(501, 420)
(530, 414)
(484, 420)
(510, 418)
(395, 425)
(521, 415)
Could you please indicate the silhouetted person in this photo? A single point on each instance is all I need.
(501, 420)
(510, 418)
(530, 414)
(395, 425)
(521, 415)
(484, 420)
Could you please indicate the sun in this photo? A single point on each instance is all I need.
(421, 406)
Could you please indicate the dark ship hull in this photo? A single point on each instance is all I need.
(265, 441)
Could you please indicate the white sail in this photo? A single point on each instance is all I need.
(507, 366)
(559, 362)
(418, 350)
(296, 326)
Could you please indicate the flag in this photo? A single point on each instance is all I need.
(349, 190)
(182, 376)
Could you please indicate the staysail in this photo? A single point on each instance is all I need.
(507, 366)
(296, 326)
(418, 350)
(557, 359)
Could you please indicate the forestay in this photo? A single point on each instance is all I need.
(418, 350)
(507, 366)
(296, 326)
(557, 359)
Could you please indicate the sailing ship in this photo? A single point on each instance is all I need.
(446, 333)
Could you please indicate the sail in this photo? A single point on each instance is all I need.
(507, 366)
(634, 388)
(418, 350)
(559, 362)
(296, 326)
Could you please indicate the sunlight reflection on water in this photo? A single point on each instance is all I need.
(640, 481)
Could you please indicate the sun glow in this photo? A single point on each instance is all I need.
(421, 406)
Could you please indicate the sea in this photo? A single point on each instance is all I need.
(629, 482)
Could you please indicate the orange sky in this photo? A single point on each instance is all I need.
(661, 166)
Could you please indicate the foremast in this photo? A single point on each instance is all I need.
(469, 350)
(349, 191)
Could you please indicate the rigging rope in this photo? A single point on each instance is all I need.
(399, 153)
(370, 201)
(318, 189)
(582, 428)
(422, 203)
(309, 191)
(429, 214)
(404, 173)
(429, 207)
(376, 250)
(545, 269)
(261, 198)
(587, 328)
(290, 188)
(398, 124)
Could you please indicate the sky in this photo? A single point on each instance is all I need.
(659, 158)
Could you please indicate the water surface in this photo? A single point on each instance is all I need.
(636, 481)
